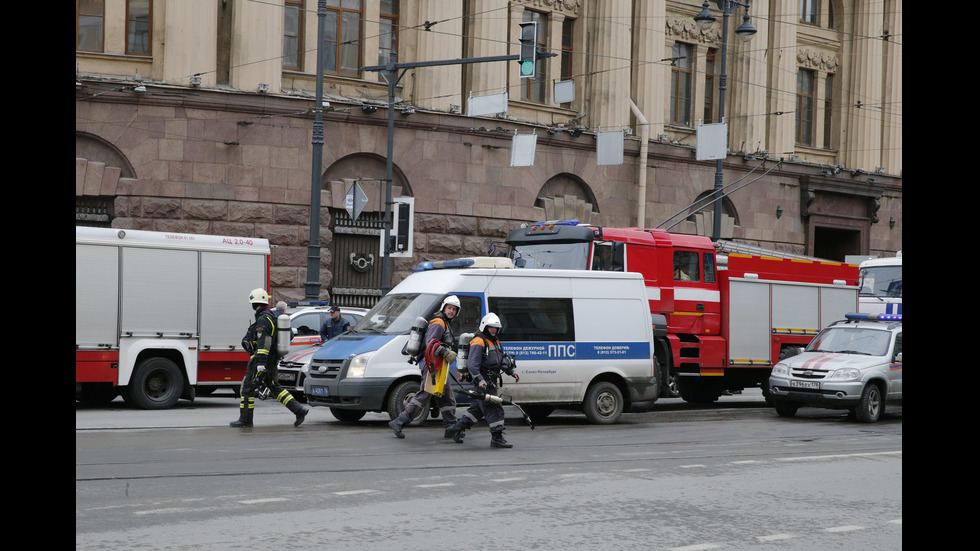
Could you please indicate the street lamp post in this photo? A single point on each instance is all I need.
(745, 32)
(313, 250)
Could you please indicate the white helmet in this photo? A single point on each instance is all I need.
(258, 296)
(490, 320)
(451, 299)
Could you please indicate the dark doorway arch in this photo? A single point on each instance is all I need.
(566, 196)
(356, 254)
(98, 167)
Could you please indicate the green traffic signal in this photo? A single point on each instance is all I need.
(529, 45)
(527, 68)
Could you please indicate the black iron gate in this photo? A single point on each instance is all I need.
(357, 259)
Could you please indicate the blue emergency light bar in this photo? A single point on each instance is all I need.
(553, 223)
(296, 304)
(443, 264)
(856, 316)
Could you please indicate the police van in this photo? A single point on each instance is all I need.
(581, 340)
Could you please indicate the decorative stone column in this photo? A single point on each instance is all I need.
(484, 41)
(891, 147)
(862, 102)
(611, 33)
(650, 74)
(783, 51)
(437, 87)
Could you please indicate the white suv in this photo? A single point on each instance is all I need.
(854, 364)
(306, 323)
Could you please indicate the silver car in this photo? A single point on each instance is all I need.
(855, 364)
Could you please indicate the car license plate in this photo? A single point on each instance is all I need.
(805, 384)
(320, 391)
(287, 377)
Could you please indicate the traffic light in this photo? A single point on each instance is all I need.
(529, 48)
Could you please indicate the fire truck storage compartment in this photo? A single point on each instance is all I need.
(795, 308)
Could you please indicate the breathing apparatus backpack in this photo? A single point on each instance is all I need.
(414, 348)
(466, 340)
(464, 353)
(280, 328)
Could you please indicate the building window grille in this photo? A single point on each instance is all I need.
(89, 25)
(680, 83)
(343, 37)
(804, 106)
(94, 211)
(139, 23)
(292, 39)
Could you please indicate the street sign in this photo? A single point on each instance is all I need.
(355, 201)
(712, 142)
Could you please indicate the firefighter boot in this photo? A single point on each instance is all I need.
(245, 412)
(497, 440)
(294, 406)
(458, 431)
(300, 414)
(396, 425)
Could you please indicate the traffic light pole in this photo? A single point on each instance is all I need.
(392, 73)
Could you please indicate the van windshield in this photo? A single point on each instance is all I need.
(881, 281)
(395, 313)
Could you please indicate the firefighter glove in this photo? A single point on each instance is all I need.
(260, 368)
(449, 356)
(517, 378)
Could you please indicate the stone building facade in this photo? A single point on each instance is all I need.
(197, 117)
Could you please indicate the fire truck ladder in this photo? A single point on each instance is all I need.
(730, 247)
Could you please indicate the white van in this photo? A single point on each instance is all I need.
(581, 340)
(881, 285)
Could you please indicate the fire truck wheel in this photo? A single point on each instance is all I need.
(785, 409)
(603, 403)
(347, 415)
(871, 406)
(399, 398)
(669, 386)
(696, 390)
(156, 384)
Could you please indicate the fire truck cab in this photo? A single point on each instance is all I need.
(720, 321)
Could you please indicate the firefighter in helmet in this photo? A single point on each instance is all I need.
(439, 336)
(485, 362)
(260, 341)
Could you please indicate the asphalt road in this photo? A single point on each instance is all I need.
(730, 476)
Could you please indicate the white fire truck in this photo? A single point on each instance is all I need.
(721, 321)
(159, 315)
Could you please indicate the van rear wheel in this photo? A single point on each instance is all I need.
(538, 413)
(347, 415)
(603, 403)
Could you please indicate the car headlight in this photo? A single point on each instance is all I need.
(846, 374)
(781, 369)
(358, 364)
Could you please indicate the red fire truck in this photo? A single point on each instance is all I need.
(160, 315)
(721, 320)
